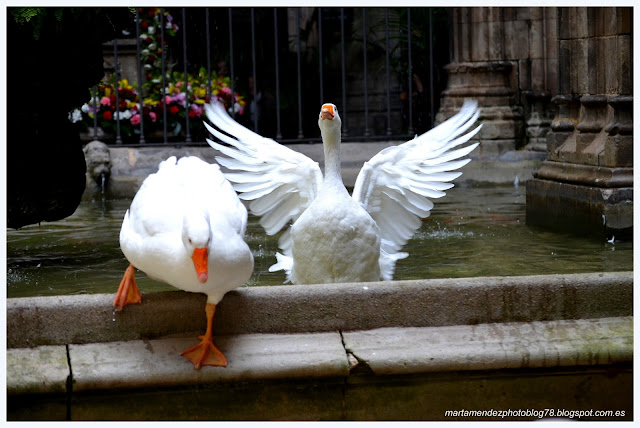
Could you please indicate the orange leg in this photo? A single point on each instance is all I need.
(128, 290)
(205, 353)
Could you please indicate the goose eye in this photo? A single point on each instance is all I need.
(190, 241)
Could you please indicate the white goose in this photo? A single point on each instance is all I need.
(334, 237)
(185, 227)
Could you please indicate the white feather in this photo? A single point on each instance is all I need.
(394, 186)
(392, 193)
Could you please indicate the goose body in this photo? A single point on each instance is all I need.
(333, 225)
(186, 227)
(331, 236)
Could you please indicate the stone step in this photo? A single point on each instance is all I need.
(122, 372)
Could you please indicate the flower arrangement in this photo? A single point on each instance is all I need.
(182, 95)
(151, 39)
(102, 106)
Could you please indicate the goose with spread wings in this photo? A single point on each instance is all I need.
(330, 236)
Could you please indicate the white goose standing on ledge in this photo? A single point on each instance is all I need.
(334, 237)
(186, 227)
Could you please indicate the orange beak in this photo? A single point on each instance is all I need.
(200, 261)
(327, 112)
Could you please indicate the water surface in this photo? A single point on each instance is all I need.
(473, 231)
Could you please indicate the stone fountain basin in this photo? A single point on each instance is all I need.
(401, 350)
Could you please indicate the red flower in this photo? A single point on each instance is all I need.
(144, 25)
(174, 109)
(107, 115)
(192, 114)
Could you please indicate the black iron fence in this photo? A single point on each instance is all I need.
(273, 68)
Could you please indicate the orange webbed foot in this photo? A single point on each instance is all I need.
(128, 292)
(205, 354)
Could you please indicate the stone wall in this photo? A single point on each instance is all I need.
(556, 81)
(588, 175)
(505, 58)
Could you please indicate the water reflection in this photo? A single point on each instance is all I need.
(473, 231)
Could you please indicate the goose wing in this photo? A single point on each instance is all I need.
(279, 183)
(396, 186)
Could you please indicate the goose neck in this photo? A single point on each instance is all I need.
(332, 163)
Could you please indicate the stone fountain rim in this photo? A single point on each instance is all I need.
(37, 321)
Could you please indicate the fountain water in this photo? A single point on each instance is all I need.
(474, 231)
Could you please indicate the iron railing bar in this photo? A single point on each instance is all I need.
(117, 87)
(321, 62)
(386, 42)
(275, 32)
(410, 98)
(431, 76)
(139, 66)
(186, 75)
(208, 36)
(364, 49)
(164, 78)
(345, 131)
(300, 133)
(94, 101)
(255, 79)
(233, 107)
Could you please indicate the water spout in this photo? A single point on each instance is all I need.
(103, 180)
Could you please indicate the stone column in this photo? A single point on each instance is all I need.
(503, 57)
(586, 183)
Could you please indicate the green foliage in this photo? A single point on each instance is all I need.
(35, 16)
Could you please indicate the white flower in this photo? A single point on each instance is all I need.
(85, 108)
(147, 66)
(236, 107)
(152, 46)
(75, 116)
(124, 115)
(144, 51)
(151, 30)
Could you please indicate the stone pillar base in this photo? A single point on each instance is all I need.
(583, 199)
(490, 83)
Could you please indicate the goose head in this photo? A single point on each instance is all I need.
(196, 238)
(329, 122)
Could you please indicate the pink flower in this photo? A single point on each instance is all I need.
(180, 99)
(105, 101)
(167, 99)
(135, 120)
(197, 111)
(153, 116)
(226, 90)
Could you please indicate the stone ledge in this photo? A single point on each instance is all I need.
(36, 321)
(251, 357)
(586, 210)
(586, 175)
(563, 343)
(131, 165)
(40, 370)
(387, 352)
